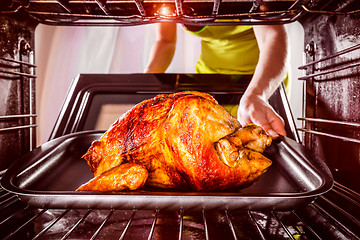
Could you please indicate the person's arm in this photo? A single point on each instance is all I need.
(163, 49)
(269, 73)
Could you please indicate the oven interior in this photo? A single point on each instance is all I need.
(331, 119)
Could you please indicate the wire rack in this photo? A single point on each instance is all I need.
(332, 121)
(330, 69)
(134, 12)
(323, 219)
(17, 114)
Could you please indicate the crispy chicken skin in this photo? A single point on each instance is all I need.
(125, 176)
(184, 140)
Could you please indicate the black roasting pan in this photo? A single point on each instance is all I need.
(48, 176)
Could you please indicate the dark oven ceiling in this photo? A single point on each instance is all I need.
(135, 12)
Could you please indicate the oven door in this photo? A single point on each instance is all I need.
(96, 100)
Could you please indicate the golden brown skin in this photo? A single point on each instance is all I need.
(184, 140)
(125, 176)
(252, 137)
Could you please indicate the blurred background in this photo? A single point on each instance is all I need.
(64, 52)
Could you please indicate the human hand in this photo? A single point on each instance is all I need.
(254, 109)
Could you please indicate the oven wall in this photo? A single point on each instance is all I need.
(335, 93)
(17, 88)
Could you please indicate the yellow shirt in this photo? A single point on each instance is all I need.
(227, 50)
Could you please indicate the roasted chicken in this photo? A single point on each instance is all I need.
(184, 140)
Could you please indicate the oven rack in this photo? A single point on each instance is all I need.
(17, 114)
(343, 64)
(135, 12)
(330, 75)
(314, 221)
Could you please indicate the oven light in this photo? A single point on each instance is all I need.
(165, 11)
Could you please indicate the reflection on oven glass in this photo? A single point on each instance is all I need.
(105, 108)
(109, 113)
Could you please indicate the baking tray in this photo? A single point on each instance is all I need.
(48, 176)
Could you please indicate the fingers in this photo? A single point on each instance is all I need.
(273, 124)
(264, 116)
(244, 119)
(277, 124)
(245, 112)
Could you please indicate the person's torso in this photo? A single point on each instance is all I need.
(227, 50)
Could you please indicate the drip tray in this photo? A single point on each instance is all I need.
(48, 176)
